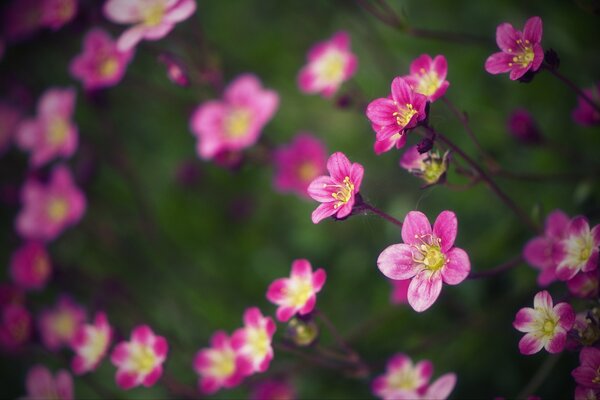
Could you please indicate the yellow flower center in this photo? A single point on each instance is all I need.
(299, 292)
(41, 266)
(144, 359)
(108, 67)
(429, 253)
(98, 343)
(332, 67)
(403, 380)
(307, 171)
(259, 341)
(428, 83)
(63, 324)
(344, 194)
(548, 327)
(403, 116)
(237, 123)
(57, 131)
(223, 364)
(524, 55)
(154, 15)
(57, 209)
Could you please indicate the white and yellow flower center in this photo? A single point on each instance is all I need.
(223, 364)
(524, 55)
(64, 324)
(58, 130)
(404, 115)
(143, 358)
(429, 252)
(579, 249)
(429, 82)
(96, 345)
(57, 209)
(330, 68)
(258, 341)
(299, 291)
(154, 14)
(108, 67)
(238, 121)
(405, 379)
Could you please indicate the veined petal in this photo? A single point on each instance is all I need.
(530, 344)
(498, 63)
(356, 175)
(525, 320)
(396, 262)
(457, 266)
(338, 166)
(556, 343)
(424, 290)
(322, 188)
(543, 300)
(402, 93)
(415, 225)
(380, 111)
(323, 211)
(533, 30)
(566, 315)
(506, 37)
(445, 227)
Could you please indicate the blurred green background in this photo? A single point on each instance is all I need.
(189, 258)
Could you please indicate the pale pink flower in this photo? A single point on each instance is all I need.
(428, 76)
(151, 19)
(405, 381)
(219, 366)
(139, 361)
(429, 166)
(585, 114)
(236, 121)
(100, 64)
(56, 13)
(584, 285)
(59, 324)
(578, 250)
(337, 191)
(399, 291)
(41, 384)
(391, 117)
(539, 251)
(15, 327)
(253, 341)
(330, 63)
(588, 372)
(90, 344)
(51, 133)
(299, 163)
(49, 209)
(298, 293)
(585, 393)
(427, 256)
(30, 266)
(521, 51)
(545, 325)
(9, 120)
(273, 390)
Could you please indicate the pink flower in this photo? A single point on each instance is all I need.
(400, 291)
(583, 393)
(90, 344)
(298, 293)
(428, 76)
(521, 51)
(545, 325)
(405, 381)
(299, 163)
(588, 372)
(59, 325)
(523, 127)
(51, 133)
(578, 250)
(176, 71)
(9, 120)
(391, 117)
(151, 19)
(235, 122)
(273, 390)
(337, 191)
(220, 366)
(427, 256)
(139, 361)
(100, 64)
(540, 251)
(584, 285)
(30, 266)
(585, 114)
(41, 384)
(330, 63)
(49, 209)
(56, 13)
(429, 166)
(15, 328)
(253, 341)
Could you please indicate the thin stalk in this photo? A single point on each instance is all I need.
(378, 212)
(574, 88)
(539, 377)
(513, 262)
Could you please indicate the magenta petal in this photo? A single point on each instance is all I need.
(402, 93)
(356, 175)
(590, 356)
(538, 252)
(338, 166)
(543, 300)
(318, 279)
(142, 334)
(415, 226)
(424, 290)
(524, 320)
(530, 344)
(424, 371)
(301, 268)
(595, 232)
(533, 30)
(253, 317)
(445, 227)
(578, 227)
(380, 112)
(557, 343)
(566, 315)
(517, 72)
(285, 313)
(440, 66)
(277, 290)
(396, 262)
(457, 266)
(126, 380)
(153, 376)
(506, 37)
(309, 305)
(441, 388)
(422, 62)
(323, 211)
(321, 189)
(497, 63)
(556, 224)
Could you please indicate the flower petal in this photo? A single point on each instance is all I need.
(441, 388)
(530, 344)
(506, 37)
(424, 290)
(457, 266)
(445, 227)
(323, 211)
(498, 63)
(533, 30)
(415, 226)
(543, 300)
(396, 262)
(566, 315)
(338, 166)
(525, 320)
(556, 344)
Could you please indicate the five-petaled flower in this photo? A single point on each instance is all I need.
(391, 117)
(298, 293)
(330, 63)
(139, 361)
(30, 266)
(90, 344)
(545, 325)
(41, 384)
(588, 372)
(57, 13)
(428, 256)
(220, 366)
(253, 341)
(337, 191)
(151, 19)
(235, 122)
(428, 76)
(59, 324)
(521, 51)
(578, 250)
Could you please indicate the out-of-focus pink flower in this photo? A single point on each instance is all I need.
(578, 250)
(22, 18)
(11, 294)
(100, 64)
(588, 372)
(219, 366)
(253, 341)
(30, 266)
(539, 251)
(299, 163)
(545, 325)
(429, 166)
(151, 19)
(273, 390)
(427, 257)
(139, 361)
(585, 114)
(428, 76)
(57, 13)
(9, 119)
(49, 209)
(298, 293)
(59, 325)
(337, 191)
(235, 122)
(585, 393)
(391, 116)
(176, 71)
(405, 381)
(52, 132)
(41, 384)
(90, 344)
(584, 285)
(521, 51)
(15, 328)
(399, 291)
(523, 127)
(330, 63)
